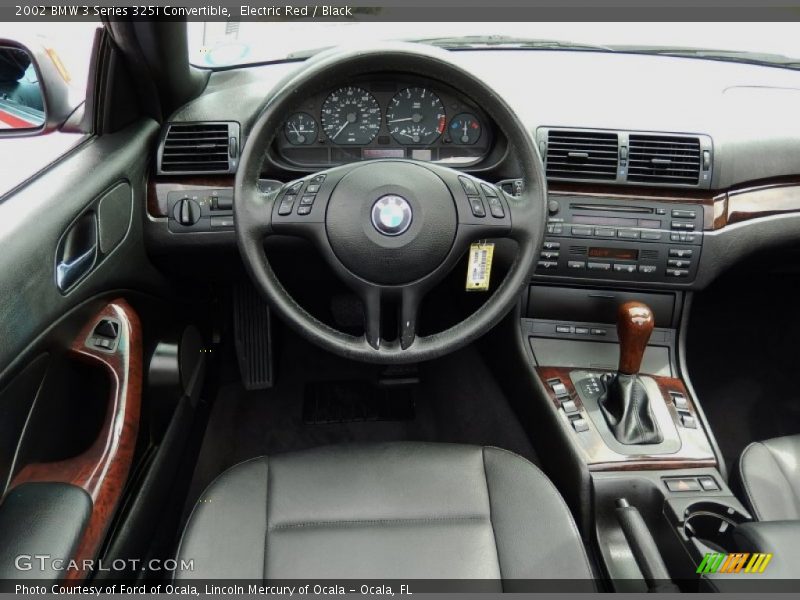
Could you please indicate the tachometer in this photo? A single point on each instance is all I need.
(301, 129)
(416, 116)
(351, 115)
(465, 129)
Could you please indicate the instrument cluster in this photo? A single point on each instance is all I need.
(396, 117)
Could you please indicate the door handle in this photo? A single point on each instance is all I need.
(77, 252)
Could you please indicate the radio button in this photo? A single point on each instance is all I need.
(623, 268)
(576, 264)
(678, 263)
(681, 252)
(678, 213)
(677, 273)
(628, 234)
(549, 254)
(598, 332)
(647, 269)
(661, 211)
(547, 264)
(651, 235)
(594, 266)
(581, 231)
(550, 245)
(555, 228)
(604, 232)
(685, 226)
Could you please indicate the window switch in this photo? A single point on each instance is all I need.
(569, 406)
(579, 424)
(107, 329)
(559, 389)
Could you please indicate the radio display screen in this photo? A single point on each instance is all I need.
(615, 253)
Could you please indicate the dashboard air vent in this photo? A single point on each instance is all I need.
(664, 159)
(189, 148)
(573, 154)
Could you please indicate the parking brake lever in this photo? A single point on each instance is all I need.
(644, 548)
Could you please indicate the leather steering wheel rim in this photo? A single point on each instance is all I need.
(253, 208)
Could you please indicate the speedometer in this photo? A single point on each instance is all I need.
(415, 116)
(351, 115)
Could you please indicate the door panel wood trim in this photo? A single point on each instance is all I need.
(102, 470)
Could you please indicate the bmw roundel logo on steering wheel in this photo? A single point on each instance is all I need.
(391, 214)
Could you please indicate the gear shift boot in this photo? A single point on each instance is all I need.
(627, 410)
(625, 403)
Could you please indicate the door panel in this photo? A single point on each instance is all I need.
(70, 394)
(33, 220)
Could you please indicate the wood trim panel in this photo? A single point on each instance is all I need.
(695, 450)
(102, 470)
(158, 188)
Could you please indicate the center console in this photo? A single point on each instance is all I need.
(650, 487)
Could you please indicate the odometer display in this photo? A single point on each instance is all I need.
(416, 116)
(351, 115)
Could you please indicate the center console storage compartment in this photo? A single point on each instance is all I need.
(595, 305)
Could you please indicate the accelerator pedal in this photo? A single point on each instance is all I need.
(253, 337)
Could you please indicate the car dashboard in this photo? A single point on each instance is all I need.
(659, 181)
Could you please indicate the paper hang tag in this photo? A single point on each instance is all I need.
(479, 267)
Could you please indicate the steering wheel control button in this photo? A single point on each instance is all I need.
(312, 188)
(477, 206)
(318, 178)
(286, 205)
(295, 188)
(391, 215)
(303, 209)
(469, 186)
(488, 190)
(307, 200)
(496, 207)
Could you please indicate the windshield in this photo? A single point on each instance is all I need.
(220, 44)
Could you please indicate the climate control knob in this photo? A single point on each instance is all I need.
(187, 212)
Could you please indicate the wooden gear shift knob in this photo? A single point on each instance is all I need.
(634, 325)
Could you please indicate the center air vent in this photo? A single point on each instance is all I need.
(190, 148)
(664, 159)
(582, 155)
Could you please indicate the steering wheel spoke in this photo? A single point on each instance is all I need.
(406, 301)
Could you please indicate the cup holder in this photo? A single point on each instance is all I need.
(712, 525)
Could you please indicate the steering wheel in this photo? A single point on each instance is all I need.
(390, 228)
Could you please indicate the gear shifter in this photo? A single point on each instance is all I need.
(625, 403)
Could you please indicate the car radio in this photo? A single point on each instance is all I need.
(629, 240)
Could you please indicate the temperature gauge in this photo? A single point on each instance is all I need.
(301, 129)
(465, 129)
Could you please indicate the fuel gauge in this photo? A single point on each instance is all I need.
(465, 129)
(301, 129)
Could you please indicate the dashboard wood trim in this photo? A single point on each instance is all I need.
(159, 187)
(772, 197)
(599, 457)
(102, 470)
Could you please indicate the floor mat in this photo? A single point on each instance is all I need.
(354, 401)
(457, 400)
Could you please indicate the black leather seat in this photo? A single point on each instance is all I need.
(769, 475)
(398, 510)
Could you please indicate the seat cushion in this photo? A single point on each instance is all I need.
(388, 511)
(769, 474)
